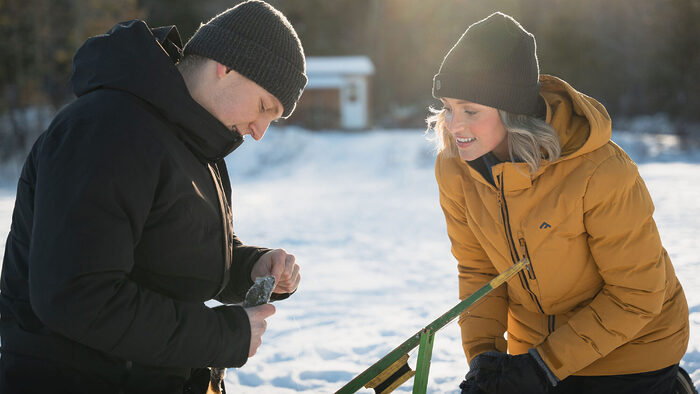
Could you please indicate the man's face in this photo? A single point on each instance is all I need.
(241, 104)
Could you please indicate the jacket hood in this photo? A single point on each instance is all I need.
(136, 59)
(581, 122)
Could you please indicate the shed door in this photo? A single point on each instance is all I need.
(353, 103)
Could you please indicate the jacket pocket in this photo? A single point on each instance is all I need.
(529, 278)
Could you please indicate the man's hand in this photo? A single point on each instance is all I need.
(281, 265)
(500, 373)
(258, 325)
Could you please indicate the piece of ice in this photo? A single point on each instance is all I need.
(260, 292)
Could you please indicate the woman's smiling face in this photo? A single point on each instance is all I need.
(477, 129)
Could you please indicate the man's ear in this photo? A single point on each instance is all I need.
(221, 70)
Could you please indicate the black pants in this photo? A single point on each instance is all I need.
(20, 374)
(654, 382)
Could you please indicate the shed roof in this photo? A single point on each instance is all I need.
(356, 65)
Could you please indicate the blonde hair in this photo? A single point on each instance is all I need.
(529, 139)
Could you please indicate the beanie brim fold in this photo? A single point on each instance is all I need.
(511, 97)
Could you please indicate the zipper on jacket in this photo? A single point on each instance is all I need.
(223, 208)
(530, 270)
(499, 198)
(550, 323)
(511, 243)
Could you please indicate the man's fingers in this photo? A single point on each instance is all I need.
(291, 284)
(282, 266)
(294, 279)
(258, 325)
(278, 263)
(264, 311)
(287, 279)
(295, 271)
(254, 345)
(295, 285)
(259, 313)
(289, 264)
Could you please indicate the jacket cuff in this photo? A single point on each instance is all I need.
(244, 259)
(553, 380)
(239, 325)
(499, 344)
(281, 296)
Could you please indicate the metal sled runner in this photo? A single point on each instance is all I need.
(392, 370)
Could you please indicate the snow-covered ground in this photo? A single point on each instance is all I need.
(360, 212)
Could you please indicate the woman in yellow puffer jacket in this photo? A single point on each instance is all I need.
(526, 169)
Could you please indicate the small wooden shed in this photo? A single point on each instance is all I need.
(337, 95)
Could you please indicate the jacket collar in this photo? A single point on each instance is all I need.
(141, 61)
(513, 176)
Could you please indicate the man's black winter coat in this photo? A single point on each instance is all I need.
(122, 226)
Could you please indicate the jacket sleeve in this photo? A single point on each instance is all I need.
(94, 191)
(244, 258)
(625, 246)
(483, 325)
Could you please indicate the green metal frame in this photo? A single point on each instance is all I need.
(425, 338)
(425, 352)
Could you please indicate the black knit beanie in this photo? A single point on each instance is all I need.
(257, 41)
(494, 63)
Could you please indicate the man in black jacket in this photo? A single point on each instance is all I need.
(122, 226)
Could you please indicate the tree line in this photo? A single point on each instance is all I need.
(635, 56)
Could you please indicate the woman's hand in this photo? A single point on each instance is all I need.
(282, 266)
(500, 373)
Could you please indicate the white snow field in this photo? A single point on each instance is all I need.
(360, 212)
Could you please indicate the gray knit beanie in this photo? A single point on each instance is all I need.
(494, 63)
(257, 41)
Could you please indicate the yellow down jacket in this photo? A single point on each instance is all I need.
(601, 296)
